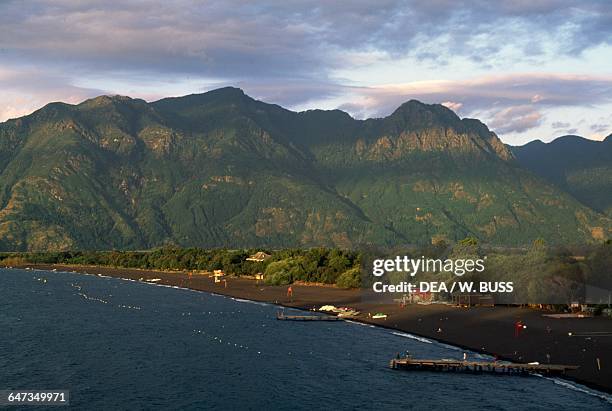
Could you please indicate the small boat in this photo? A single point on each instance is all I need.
(379, 316)
(348, 313)
(153, 280)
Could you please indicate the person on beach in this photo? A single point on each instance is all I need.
(290, 292)
(518, 327)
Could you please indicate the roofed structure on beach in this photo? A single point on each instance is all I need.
(259, 257)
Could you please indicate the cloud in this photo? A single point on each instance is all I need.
(291, 52)
(290, 93)
(560, 124)
(505, 102)
(453, 105)
(290, 39)
(24, 91)
(600, 128)
(515, 119)
(495, 91)
(561, 127)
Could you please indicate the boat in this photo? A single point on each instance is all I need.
(153, 280)
(341, 311)
(348, 313)
(379, 316)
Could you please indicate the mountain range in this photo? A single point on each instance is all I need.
(580, 166)
(222, 169)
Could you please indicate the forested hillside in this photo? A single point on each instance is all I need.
(221, 169)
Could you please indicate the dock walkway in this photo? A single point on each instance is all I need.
(479, 367)
(282, 316)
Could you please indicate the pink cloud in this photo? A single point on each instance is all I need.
(453, 105)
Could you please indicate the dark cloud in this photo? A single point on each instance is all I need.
(560, 124)
(561, 127)
(298, 40)
(600, 128)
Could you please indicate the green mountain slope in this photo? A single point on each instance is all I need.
(580, 166)
(223, 169)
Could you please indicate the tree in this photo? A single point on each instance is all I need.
(350, 278)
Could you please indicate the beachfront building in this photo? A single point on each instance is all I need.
(218, 275)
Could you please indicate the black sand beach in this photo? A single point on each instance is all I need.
(489, 330)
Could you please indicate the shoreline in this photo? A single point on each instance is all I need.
(484, 330)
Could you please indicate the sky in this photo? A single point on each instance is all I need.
(529, 69)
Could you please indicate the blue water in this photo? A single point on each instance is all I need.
(118, 344)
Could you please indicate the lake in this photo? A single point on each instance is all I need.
(123, 344)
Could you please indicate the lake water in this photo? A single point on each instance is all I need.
(122, 344)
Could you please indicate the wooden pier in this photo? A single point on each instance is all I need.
(282, 316)
(477, 367)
